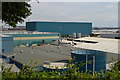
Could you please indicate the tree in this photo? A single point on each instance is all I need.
(14, 12)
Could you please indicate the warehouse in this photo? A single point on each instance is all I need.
(66, 28)
(22, 38)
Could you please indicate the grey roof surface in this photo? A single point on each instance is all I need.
(48, 53)
(41, 54)
(13, 67)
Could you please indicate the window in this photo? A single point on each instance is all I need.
(3, 50)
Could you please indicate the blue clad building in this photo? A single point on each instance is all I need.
(67, 28)
(22, 39)
(7, 44)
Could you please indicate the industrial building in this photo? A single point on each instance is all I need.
(66, 28)
(25, 37)
(39, 32)
(7, 44)
(53, 53)
(40, 54)
(98, 59)
(111, 35)
(110, 46)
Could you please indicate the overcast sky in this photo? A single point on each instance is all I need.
(100, 13)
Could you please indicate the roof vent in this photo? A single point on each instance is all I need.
(21, 51)
(47, 62)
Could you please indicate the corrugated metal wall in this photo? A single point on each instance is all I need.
(7, 45)
(61, 27)
(31, 28)
(20, 39)
(80, 56)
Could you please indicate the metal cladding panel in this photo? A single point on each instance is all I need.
(22, 42)
(67, 28)
(100, 59)
(7, 45)
(31, 26)
(21, 39)
(48, 27)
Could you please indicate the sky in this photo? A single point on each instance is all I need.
(101, 14)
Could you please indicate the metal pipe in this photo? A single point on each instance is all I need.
(86, 62)
(93, 64)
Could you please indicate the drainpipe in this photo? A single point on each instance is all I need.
(86, 62)
(93, 64)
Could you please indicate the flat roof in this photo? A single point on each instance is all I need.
(8, 65)
(14, 68)
(51, 53)
(103, 44)
(41, 54)
(5, 36)
(62, 21)
(84, 39)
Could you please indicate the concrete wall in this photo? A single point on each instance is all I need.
(7, 45)
(67, 28)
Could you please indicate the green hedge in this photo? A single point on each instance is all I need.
(73, 73)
